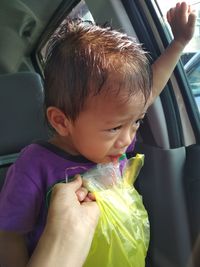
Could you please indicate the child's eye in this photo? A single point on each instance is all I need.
(113, 130)
(139, 122)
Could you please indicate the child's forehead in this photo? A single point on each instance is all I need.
(105, 112)
(117, 101)
(117, 95)
(114, 86)
(119, 83)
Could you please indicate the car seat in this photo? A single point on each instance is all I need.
(21, 115)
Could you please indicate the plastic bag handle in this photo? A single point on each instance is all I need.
(133, 168)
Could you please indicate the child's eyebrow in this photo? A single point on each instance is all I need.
(120, 121)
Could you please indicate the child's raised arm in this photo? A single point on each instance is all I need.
(182, 22)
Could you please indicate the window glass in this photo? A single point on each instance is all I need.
(191, 54)
(80, 11)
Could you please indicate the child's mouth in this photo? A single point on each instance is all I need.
(115, 158)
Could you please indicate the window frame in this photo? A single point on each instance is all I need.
(147, 36)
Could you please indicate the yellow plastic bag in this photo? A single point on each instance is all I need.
(122, 235)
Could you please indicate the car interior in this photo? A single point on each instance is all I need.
(169, 182)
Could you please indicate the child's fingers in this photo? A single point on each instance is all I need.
(171, 15)
(189, 9)
(168, 17)
(191, 19)
(177, 9)
(181, 12)
(191, 25)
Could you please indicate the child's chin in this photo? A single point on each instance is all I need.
(103, 161)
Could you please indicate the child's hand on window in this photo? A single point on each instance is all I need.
(182, 22)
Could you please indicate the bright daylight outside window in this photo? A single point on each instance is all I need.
(191, 54)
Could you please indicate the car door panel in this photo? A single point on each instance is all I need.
(161, 186)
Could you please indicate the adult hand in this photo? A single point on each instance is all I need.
(70, 206)
(69, 230)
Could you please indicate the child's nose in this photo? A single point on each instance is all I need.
(125, 139)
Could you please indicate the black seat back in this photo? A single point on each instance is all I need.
(21, 115)
(21, 119)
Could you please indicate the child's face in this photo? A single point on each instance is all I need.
(107, 126)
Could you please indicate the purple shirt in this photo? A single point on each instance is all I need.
(23, 203)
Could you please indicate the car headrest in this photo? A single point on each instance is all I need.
(21, 111)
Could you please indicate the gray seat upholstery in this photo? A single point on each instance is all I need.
(21, 114)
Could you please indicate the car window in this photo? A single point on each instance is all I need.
(191, 56)
(80, 11)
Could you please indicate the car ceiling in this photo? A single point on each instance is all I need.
(21, 24)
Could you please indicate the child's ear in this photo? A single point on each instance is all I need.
(58, 120)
